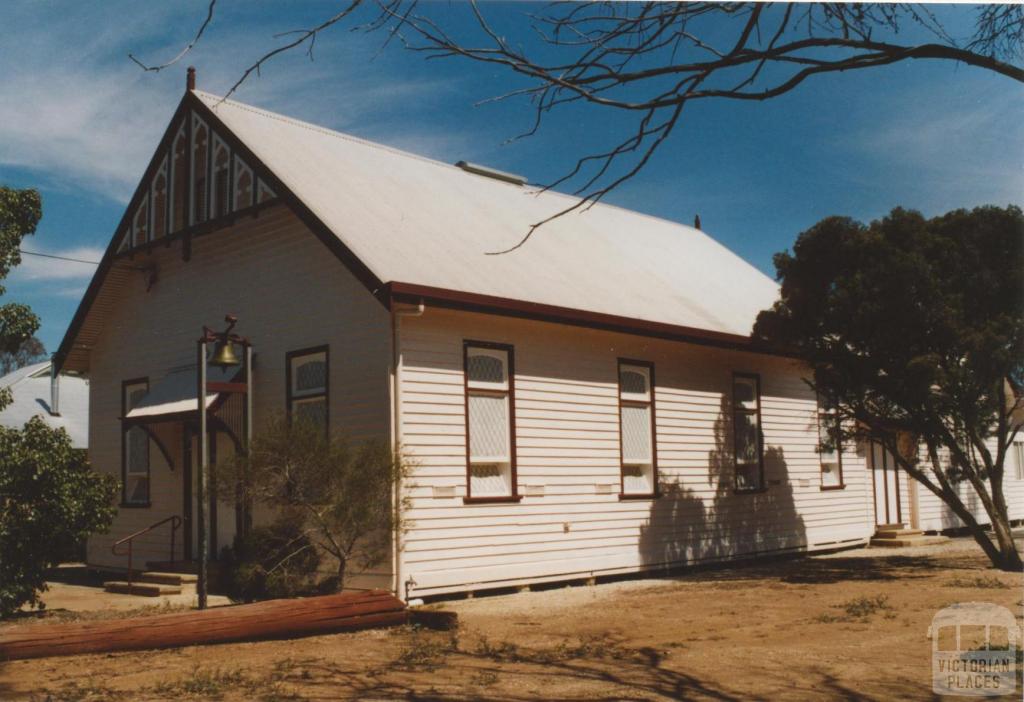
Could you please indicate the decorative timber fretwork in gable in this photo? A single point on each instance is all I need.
(196, 182)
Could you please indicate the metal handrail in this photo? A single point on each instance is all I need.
(175, 521)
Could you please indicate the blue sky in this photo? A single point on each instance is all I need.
(79, 121)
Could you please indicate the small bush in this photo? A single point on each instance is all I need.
(985, 582)
(863, 607)
(271, 562)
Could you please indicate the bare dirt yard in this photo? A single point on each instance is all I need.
(851, 625)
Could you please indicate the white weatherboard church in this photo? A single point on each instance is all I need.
(588, 404)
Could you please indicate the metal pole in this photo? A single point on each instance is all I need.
(204, 545)
(250, 385)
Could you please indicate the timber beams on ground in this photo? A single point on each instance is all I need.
(273, 619)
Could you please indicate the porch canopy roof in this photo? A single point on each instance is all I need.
(174, 396)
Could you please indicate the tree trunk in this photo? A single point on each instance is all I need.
(342, 562)
(1009, 558)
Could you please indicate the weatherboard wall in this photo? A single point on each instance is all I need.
(935, 515)
(289, 293)
(570, 521)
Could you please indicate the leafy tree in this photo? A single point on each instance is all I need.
(31, 351)
(340, 492)
(50, 499)
(20, 211)
(914, 330)
(652, 59)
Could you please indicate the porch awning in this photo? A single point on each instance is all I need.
(174, 395)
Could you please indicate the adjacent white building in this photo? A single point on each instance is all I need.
(64, 404)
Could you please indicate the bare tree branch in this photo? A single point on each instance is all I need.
(188, 47)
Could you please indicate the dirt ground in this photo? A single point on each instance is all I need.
(851, 625)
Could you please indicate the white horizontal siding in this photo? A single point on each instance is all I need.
(935, 515)
(289, 292)
(567, 443)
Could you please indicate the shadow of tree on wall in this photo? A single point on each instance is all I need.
(686, 526)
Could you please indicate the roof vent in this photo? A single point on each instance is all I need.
(492, 173)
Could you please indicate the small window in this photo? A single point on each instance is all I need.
(135, 445)
(142, 223)
(243, 185)
(1018, 452)
(308, 381)
(200, 167)
(159, 215)
(830, 449)
(747, 441)
(489, 411)
(636, 429)
(179, 182)
(221, 204)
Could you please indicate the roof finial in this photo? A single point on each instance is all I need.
(696, 222)
(190, 78)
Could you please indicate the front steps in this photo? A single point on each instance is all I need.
(899, 536)
(154, 584)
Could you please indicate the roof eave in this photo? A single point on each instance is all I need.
(474, 302)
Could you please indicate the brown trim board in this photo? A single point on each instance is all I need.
(489, 304)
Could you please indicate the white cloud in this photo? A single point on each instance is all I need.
(41, 268)
(80, 114)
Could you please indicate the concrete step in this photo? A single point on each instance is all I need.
(919, 540)
(881, 533)
(150, 576)
(141, 589)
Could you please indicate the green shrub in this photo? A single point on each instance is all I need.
(270, 562)
(49, 501)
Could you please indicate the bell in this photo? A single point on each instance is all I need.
(224, 355)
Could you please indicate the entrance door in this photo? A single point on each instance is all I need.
(220, 515)
(886, 481)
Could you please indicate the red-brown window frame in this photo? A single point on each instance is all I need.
(655, 491)
(325, 349)
(839, 452)
(124, 451)
(514, 495)
(736, 409)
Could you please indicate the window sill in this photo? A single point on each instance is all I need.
(639, 495)
(135, 505)
(833, 487)
(749, 491)
(491, 500)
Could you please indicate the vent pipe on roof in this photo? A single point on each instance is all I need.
(696, 222)
(491, 173)
(54, 390)
(190, 78)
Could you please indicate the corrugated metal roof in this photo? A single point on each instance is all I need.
(32, 398)
(414, 220)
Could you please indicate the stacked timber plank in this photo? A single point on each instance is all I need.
(262, 620)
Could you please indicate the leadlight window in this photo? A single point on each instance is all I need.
(243, 185)
(135, 447)
(140, 223)
(200, 158)
(159, 217)
(179, 182)
(747, 439)
(489, 408)
(308, 381)
(636, 428)
(221, 204)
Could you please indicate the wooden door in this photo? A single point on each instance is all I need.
(886, 481)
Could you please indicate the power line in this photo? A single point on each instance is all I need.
(59, 258)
